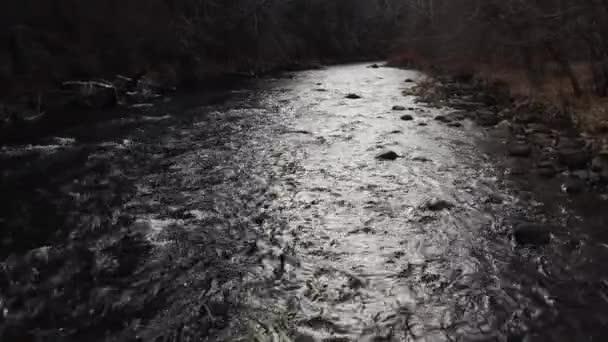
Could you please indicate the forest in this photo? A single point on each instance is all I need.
(183, 40)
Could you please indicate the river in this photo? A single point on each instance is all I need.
(262, 213)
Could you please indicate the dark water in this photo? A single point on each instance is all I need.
(267, 217)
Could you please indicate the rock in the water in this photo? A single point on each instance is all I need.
(422, 124)
(409, 80)
(92, 94)
(407, 117)
(387, 155)
(573, 159)
(546, 170)
(532, 234)
(374, 66)
(353, 96)
(487, 118)
(574, 186)
(525, 118)
(494, 198)
(442, 118)
(437, 204)
(398, 108)
(600, 162)
(503, 127)
(520, 149)
(455, 124)
(303, 337)
(421, 159)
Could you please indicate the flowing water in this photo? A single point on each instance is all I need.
(266, 216)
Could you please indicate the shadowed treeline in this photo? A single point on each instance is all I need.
(181, 40)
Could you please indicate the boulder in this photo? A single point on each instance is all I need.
(407, 117)
(91, 94)
(546, 169)
(353, 96)
(442, 118)
(486, 118)
(574, 186)
(573, 158)
(532, 234)
(519, 149)
(387, 155)
(600, 162)
(437, 204)
(398, 108)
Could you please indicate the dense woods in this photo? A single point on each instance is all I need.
(184, 40)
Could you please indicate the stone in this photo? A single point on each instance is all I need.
(573, 158)
(353, 96)
(422, 124)
(421, 159)
(455, 124)
(532, 234)
(600, 162)
(525, 118)
(387, 155)
(494, 198)
(443, 119)
(303, 337)
(374, 66)
(399, 108)
(409, 80)
(574, 186)
(437, 204)
(519, 149)
(92, 94)
(487, 118)
(546, 170)
(407, 117)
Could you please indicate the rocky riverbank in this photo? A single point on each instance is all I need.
(548, 138)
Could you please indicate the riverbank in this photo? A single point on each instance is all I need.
(547, 135)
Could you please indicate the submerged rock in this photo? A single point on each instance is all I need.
(519, 149)
(409, 80)
(574, 186)
(353, 96)
(407, 117)
(546, 169)
(387, 155)
(442, 118)
(486, 118)
(532, 234)
(421, 159)
(573, 158)
(399, 108)
(600, 162)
